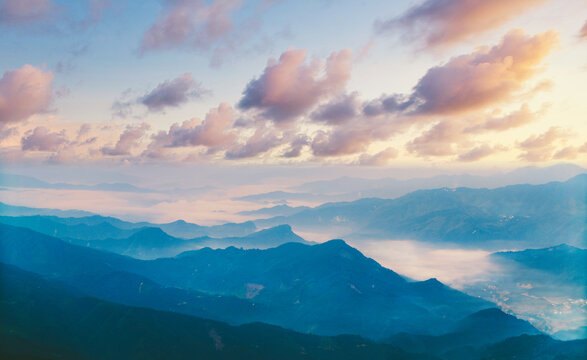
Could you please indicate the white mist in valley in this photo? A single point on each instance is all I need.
(421, 261)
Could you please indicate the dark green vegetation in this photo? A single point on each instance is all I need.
(45, 319)
(481, 328)
(68, 291)
(326, 289)
(536, 215)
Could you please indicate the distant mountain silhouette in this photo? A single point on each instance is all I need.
(12, 210)
(152, 242)
(538, 214)
(278, 210)
(104, 227)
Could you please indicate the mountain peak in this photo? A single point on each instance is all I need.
(149, 231)
(335, 243)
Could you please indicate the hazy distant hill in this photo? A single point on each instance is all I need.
(21, 181)
(98, 227)
(11, 210)
(152, 242)
(392, 188)
(278, 210)
(532, 214)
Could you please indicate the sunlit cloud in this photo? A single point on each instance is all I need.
(24, 92)
(289, 86)
(445, 22)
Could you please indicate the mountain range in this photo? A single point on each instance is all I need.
(546, 286)
(43, 318)
(152, 242)
(519, 215)
(98, 227)
(324, 289)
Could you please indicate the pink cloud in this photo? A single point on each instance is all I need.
(347, 140)
(215, 133)
(190, 22)
(479, 153)
(260, 142)
(514, 119)
(485, 77)
(540, 147)
(42, 139)
(379, 159)
(172, 93)
(289, 87)
(128, 140)
(439, 140)
(24, 92)
(445, 22)
(583, 31)
(17, 12)
(338, 110)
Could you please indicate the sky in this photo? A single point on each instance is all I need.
(460, 83)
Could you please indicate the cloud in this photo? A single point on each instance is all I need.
(514, 119)
(365, 50)
(338, 110)
(479, 153)
(20, 12)
(439, 140)
(445, 22)
(540, 147)
(221, 28)
(570, 152)
(351, 139)
(172, 93)
(296, 146)
(485, 77)
(215, 133)
(386, 104)
(379, 159)
(583, 31)
(96, 9)
(260, 142)
(289, 87)
(190, 22)
(24, 92)
(168, 94)
(42, 139)
(51, 16)
(128, 140)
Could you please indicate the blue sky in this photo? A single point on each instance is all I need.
(92, 56)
